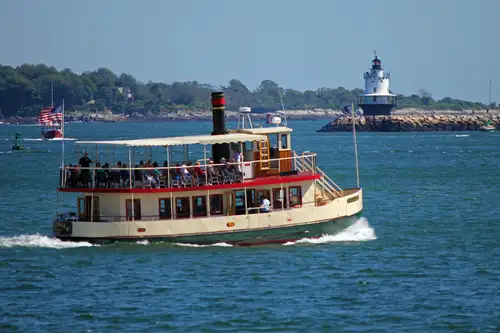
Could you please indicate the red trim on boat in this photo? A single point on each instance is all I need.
(263, 181)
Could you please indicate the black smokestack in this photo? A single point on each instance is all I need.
(218, 106)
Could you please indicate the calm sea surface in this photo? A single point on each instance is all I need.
(424, 258)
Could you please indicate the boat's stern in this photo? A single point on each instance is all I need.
(62, 229)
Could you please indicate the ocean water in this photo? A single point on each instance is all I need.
(425, 256)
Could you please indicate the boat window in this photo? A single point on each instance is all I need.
(260, 196)
(136, 212)
(273, 140)
(295, 196)
(81, 208)
(248, 146)
(284, 141)
(182, 209)
(165, 211)
(200, 206)
(279, 199)
(240, 201)
(216, 207)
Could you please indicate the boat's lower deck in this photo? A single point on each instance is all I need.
(236, 225)
(279, 235)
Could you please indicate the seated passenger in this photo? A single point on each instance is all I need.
(198, 171)
(125, 175)
(184, 171)
(265, 207)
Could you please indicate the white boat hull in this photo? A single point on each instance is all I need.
(273, 227)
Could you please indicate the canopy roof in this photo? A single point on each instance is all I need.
(182, 140)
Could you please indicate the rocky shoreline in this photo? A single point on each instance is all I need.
(416, 122)
(181, 115)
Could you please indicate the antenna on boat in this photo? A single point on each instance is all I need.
(244, 115)
(355, 144)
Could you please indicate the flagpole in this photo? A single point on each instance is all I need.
(62, 138)
(52, 94)
(355, 144)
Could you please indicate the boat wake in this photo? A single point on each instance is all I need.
(359, 231)
(39, 241)
(462, 135)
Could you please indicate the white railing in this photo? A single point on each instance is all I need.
(169, 176)
(325, 183)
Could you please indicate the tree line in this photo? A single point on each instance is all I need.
(25, 89)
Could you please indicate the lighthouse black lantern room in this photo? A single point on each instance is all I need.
(377, 99)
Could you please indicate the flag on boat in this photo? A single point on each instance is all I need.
(50, 115)
(56, 114)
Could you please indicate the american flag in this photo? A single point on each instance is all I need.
(50, 115)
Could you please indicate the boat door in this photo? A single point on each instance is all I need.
(85, 207)
(230, 203)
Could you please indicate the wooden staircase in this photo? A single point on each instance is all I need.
(264, 153)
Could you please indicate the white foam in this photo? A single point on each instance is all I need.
(143, 242)
(461, 135)
(39, 241)
(198, 245)
(359, 231)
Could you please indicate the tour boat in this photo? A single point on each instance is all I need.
(268, 194)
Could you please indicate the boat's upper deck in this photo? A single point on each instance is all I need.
(150, 178)
(234, 158)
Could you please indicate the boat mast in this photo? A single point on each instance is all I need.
(62, 146)
(355, 144)
(489, 96)
(52, 94)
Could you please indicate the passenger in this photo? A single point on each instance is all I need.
(184, 171)
(85, 173)
(266, 205)
(125, 175)
(156, 172)
(198, 171)
(212, 171)
(238, 158)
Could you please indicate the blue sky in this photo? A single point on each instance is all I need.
(448, 47)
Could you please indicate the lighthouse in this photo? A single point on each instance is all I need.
(377, 99)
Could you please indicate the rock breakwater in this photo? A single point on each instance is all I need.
(413, 123)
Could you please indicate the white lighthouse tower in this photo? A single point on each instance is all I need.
(377, 99)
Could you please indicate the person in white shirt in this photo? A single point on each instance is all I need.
(238, 158)
(266, 205)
